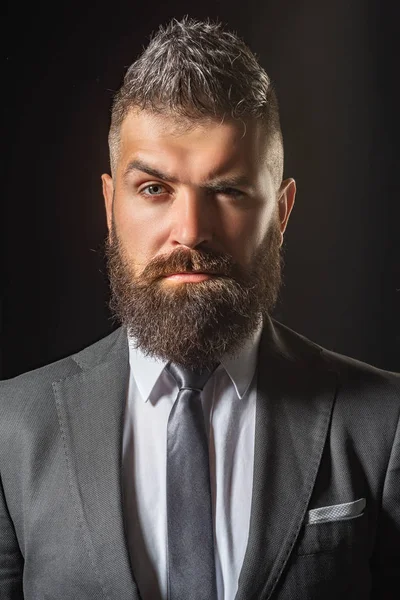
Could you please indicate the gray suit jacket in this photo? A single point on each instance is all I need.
(325, 518)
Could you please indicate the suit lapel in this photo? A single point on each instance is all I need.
(91, 408)
(294, 403)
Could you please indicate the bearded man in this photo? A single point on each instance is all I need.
(202, 451)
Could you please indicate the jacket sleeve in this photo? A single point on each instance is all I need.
(386, 560)
(11, 560)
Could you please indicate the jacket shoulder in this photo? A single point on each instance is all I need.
(346, 367)
(32, 385)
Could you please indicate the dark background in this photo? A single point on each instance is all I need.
(335, 66)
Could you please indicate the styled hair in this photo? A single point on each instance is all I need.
(194, 70)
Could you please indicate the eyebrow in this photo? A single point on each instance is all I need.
(214, 185)
(139, 165)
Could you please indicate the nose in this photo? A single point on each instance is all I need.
(192, 219)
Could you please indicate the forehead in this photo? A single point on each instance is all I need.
(209, 145)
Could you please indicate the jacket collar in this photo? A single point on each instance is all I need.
(295, 396)
(90, 406)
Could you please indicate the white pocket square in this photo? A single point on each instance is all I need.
(336, 512)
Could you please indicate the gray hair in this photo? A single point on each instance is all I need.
(195, 70)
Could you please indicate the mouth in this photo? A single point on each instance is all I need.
(190, 276)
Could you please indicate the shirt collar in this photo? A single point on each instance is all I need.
(240, 367)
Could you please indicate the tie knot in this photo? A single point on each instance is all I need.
(187, 378)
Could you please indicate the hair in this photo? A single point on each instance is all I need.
(195, 70)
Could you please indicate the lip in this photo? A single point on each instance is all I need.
(190, 277)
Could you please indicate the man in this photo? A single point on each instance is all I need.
(202, 451)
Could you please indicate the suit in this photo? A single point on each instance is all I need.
(325, 517)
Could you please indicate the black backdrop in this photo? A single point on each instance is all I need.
(335, 68)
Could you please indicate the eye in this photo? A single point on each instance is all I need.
(232, 192)
(154, 189)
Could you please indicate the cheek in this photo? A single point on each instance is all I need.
(138, 235)
(247, 231)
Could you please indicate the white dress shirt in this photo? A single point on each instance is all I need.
(229, 403)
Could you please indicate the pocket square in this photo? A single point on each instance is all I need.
(336, 512)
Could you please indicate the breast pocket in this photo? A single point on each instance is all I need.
(331, 527)
(329, 561)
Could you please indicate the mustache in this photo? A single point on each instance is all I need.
(184, 260)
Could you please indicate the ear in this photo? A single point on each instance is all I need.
(108, 194)
(286, 196)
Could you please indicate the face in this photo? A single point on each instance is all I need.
(195, 226)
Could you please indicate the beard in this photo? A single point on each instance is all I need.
(194, 324)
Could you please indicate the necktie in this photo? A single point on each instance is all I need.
(191, 566)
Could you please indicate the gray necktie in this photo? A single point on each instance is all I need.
(191, 566)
